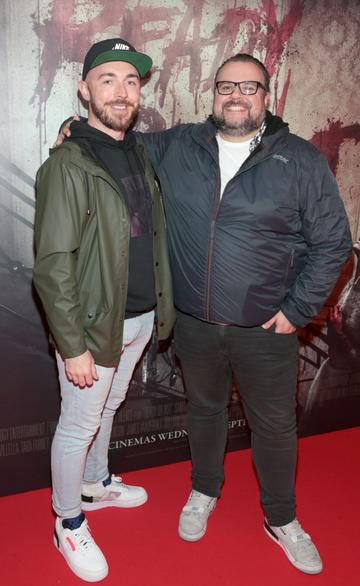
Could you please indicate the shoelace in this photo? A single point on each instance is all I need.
(111, 479)
(297, 533)
(83, 536)
(116, 480)
(196, 505)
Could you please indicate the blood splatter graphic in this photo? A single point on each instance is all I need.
(65, 40)
(184, 40)
(264, 35)
(329, 140)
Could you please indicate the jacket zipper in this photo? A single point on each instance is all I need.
(210, 250)
(212, 237)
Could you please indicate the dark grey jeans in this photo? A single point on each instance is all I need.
(265, 368)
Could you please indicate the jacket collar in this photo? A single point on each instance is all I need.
(81, 158)
(276, 130)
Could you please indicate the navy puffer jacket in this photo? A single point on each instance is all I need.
(276, 240)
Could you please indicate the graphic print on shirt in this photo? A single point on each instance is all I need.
(139, 205)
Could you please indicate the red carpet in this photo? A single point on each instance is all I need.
(142, 546)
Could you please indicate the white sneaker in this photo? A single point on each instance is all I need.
(80, 551)
(194, 516)
(113, 494)
(297, 545)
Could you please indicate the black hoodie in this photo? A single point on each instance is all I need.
(119, 159)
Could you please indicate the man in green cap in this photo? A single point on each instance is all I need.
(101, 271)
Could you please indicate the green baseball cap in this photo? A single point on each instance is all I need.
(116, 50)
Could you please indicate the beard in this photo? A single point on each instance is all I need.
(241, 128)
(119, 121)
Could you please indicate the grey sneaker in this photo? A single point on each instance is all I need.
(194, 516)
(111, 493)
(297, 545)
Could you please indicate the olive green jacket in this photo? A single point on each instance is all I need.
(82, 233)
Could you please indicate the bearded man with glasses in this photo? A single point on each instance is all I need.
(257, 238)
(257, 235)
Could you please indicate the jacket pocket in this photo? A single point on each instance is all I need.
(289, 266)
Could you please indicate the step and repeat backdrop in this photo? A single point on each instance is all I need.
(312, 52)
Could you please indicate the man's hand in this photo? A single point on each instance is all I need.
(81, 370)
(282, 324)
(64, 131)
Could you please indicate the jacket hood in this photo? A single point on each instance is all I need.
(276, 130)
(274, 124)
(82, 131)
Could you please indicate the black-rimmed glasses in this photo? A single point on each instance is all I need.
(247, 88)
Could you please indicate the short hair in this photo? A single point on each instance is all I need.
(245, 58)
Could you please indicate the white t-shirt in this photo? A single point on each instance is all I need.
(231, 156)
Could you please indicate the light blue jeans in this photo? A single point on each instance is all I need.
(79, 450)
